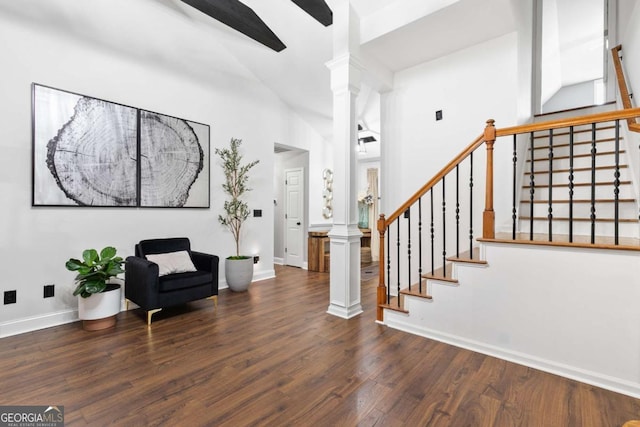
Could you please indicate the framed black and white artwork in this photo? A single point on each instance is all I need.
(84, 150)
(91, 152)
(174, 162)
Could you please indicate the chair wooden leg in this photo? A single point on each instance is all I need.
(151, 313)
(126, 304)
(215, 300)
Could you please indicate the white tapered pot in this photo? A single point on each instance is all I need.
(238, 273)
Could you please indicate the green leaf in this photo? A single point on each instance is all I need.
(74, 264)
(89, 256)
(94, 286)
(108, 252)
(79, 289)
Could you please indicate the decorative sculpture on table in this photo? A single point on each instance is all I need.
(327, 193)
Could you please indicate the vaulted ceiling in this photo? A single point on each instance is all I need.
(179, 35)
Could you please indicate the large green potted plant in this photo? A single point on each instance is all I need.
(98, 299)
(238, 268)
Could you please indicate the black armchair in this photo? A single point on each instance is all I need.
(152, 292)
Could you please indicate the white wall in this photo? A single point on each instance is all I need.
(470, 86)
(36, 241)
(577, 317)
(572, 96)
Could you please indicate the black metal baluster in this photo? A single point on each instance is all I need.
(471, 206)
(593, 183)
(407, 214)
(457, 212)
(513, 205)
(432, 234)
(444, 230)
(420, 244)
(388, 264)
(550, 209)
(616, 182)
(571, 184)
(532, 189)
(398, 263)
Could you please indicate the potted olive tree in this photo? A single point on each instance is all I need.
(98, 299)
(238, 269)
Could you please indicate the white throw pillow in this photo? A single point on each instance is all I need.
(172, 262)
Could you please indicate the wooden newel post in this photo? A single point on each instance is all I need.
(488, 216)
(382, 290)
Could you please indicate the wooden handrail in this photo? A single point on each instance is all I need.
(570, 121)
(622, 83)
(488, 137)
(625, 96)
(433, 181)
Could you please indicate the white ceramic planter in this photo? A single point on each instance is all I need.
(238, 273)
(102, 307)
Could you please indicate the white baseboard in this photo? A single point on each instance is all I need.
(589, 377)
(30, 324)
(264, 275)
(279, 261)
(257, 277)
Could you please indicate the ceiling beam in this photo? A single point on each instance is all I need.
(318, 9)
(240, 17)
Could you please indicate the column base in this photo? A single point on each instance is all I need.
(344, 312)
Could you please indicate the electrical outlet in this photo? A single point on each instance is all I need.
(49, 291)
(10, 297)
(438, 115)
(256, 259)
(257, 212)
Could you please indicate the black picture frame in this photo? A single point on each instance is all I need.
(94, 153)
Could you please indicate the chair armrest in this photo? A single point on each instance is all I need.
(141, 281)
(205, 262)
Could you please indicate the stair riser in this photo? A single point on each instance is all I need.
(561, 150)
(582, 192)
(602, 175)
(579, 134)
(578, 162)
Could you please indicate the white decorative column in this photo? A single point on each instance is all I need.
(345, 236)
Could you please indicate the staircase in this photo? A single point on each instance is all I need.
(517, 294)
(583, 200)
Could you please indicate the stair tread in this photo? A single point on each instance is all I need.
(575, 156)
(393, 305)
(544, 218)
(466, 260)
(577, 184)
(579, 201)
(438, 274)
(583, 130)
(586, 169)
(566, 144)
(415, 291)
(581, 241)
(466, 257)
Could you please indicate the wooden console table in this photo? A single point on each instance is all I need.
(318, 253)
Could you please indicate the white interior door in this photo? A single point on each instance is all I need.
(294, 217)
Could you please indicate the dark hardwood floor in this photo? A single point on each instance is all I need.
(272, 356)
